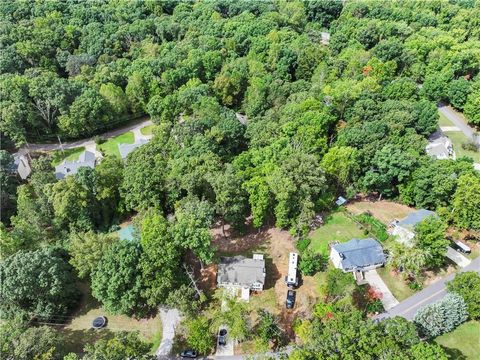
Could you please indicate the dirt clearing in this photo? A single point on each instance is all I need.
(383, 210)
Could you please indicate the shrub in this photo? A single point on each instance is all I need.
(311, 263)
(467, 285)
(442, 316)
(470, 146)
(372, 225)
(199, 336)
(98, 139)
(303, 244)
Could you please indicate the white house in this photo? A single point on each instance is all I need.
(357, 256)
(440, 147)
(240, 272)
(404, 230)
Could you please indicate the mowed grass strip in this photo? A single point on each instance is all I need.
(465, 338)
(443, 120)
(395, 283)
(110, 147)
(68, 154)
(337, 227)
(147, 130)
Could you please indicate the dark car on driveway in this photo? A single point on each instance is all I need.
(290, 302)
(191, 354)
(222, 337)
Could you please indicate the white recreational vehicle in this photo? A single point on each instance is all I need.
(291, 279)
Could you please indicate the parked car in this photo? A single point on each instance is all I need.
(191, 354)
(290, 303)
(222, 337)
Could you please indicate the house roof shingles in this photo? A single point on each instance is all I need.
(86, 159)
(360, 253)
(239, 270)
(414, 218)
(126, 149)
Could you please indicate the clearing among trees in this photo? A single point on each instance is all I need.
(383, 210)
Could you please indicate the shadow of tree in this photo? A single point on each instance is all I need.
(454, 354)
(75, 340)
(272, 274)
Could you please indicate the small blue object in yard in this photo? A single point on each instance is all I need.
(127, 233)
(340, 201)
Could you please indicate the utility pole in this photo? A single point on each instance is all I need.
(61, 145)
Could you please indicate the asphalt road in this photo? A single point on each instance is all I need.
(409, 307)
(79, 143)
(459, 122)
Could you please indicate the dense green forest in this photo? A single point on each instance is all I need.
(322, 119)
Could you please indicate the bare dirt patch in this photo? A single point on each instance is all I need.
(275, 244)
(383, 210)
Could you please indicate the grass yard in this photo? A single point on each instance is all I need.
(443, 120)
(337, 227)
(78, 331)
(147, 130)
(458, 138)
(464, 340)
(395, 283)
(68, 154)
(110, 147)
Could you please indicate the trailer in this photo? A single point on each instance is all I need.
(460, 246)
(292, 279)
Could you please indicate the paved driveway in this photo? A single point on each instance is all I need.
(409, 307)
(457, 258)
(375, 281)
(458, 122)
(228, 348)
(170, 320)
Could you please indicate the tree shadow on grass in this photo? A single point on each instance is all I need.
(75, 340)
(454, 354)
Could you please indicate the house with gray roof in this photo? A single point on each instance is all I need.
(240, 272)
(86, 159)
(404, 230)
(126, 149)
(357, 255)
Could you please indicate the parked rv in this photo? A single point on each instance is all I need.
(292, 279)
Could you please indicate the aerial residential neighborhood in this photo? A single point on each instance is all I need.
(233, 180)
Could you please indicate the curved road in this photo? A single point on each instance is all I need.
(409, 307)
(84, 142)
(459, 122)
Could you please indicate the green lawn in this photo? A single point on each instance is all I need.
(79, 332)
(443, 121)
(464, 339)
(458, 138)
(337, 227)
(68, 154)
(110, 147)
(395, 283)
(147, 130)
